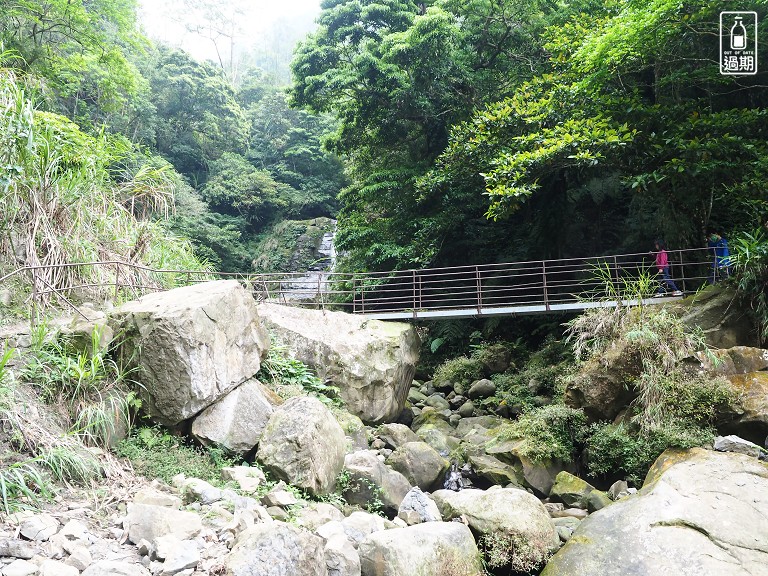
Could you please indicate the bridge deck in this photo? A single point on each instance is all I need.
(437, 314)
(512, 288)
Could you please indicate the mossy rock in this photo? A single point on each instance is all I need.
(571, 490)
(292, 245)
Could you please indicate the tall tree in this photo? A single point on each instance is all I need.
(398, 75)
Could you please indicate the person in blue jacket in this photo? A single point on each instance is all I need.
(722, 257)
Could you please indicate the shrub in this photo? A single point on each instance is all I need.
(87, 385)
(550, 432)
(155, 453)
(461, 370)
(616, 451)
(513, 551)
(750, 263)
(675, 409)
(22, 487)
(291, 377)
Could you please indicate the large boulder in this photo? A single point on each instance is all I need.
(276, 549)
(420, 464)
(536, 474)
(605, 385)
(434, 549)
(716, 312)
(507, 517)
(370, 480)
(395, 435)
(372, 362)
(735, 360)
(191, 345)
(149, 521)
(304, 445)
(237, 421)
(700, 513)
(749, 418)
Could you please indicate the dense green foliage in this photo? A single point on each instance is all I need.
(111, 104)
(73, 197)
(750, 263)
(289, 377)
(581, 129)
(675, 407)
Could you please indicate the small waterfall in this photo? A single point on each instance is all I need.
(314, 283)
(327, 250)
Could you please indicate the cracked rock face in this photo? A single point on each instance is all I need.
(700, 513)
(192, 345)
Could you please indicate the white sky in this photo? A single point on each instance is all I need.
(162, 20)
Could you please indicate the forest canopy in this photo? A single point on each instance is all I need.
(492, 130)
(438, 132)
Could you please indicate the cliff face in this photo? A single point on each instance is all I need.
(297, 246)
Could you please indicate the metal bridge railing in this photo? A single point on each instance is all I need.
(544, 284)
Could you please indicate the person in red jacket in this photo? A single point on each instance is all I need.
(662, 263)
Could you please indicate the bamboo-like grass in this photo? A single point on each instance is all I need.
(69, 197)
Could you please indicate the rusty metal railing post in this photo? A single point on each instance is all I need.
(479, 285)
(616, 275)
(362, 296)
(682, 269)
(117, 280)
(544, 283)
(354, 294)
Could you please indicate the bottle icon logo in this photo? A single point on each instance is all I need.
(738, 43)
(738, 35)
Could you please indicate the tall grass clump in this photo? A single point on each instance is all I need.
(675, 405)
(90, 391)
(64, 201)
(750, 264)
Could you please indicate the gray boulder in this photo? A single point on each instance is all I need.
(115, 568)
(276, 549)
(605, 384)
(750, 412)
(481, 389)
(699, 513)
(716, 312)
(739, 445)
(417, 508)
(236, 421)
(434, 549)
(420, 464)
(371, 479)
(341, 557)
(316, 514)
(191, 345)
(303, 445)
(39, 527)
(358, 525)
(372, 362)
(147, 522)
(504, 515)
(395, 435)
(735, 360)
(571, 490)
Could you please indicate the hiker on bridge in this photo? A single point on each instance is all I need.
(662, 263)
(722, 257)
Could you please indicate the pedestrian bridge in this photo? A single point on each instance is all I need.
(512, 288)
(506, 289)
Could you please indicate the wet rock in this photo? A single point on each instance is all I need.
(304, 445)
